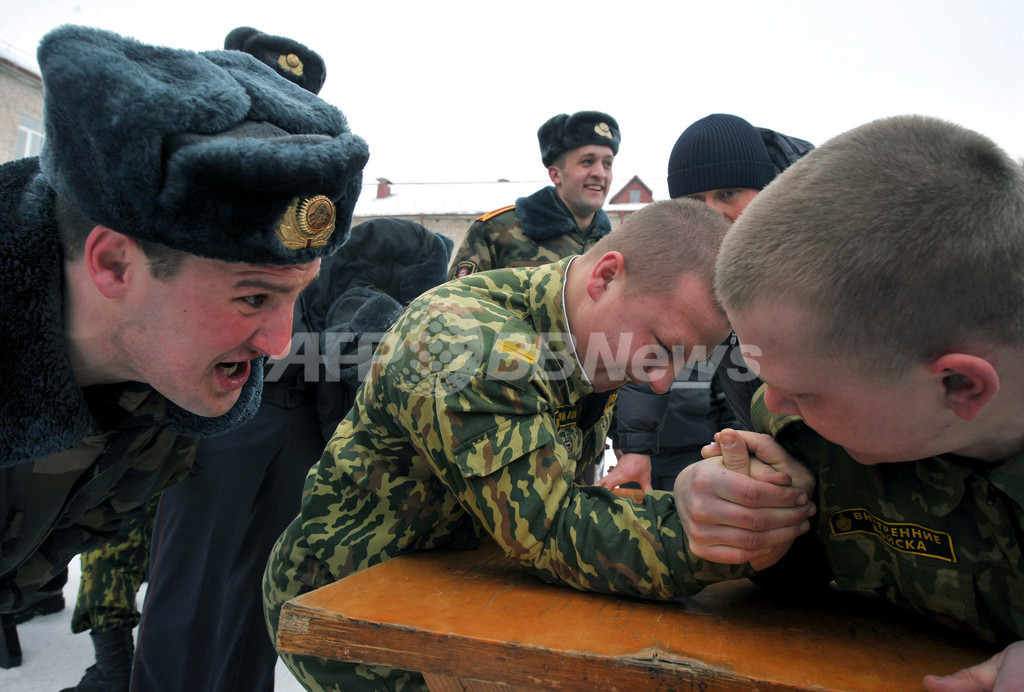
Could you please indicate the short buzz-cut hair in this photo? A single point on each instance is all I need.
(74, 227)
(904, 238)
(665, 240)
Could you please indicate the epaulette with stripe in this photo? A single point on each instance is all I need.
(491, 214)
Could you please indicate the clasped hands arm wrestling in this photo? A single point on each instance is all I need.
(748, 501)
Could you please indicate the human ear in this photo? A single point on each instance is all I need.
(608, 267)
(555, 173)
(969, 382)
(108, 257)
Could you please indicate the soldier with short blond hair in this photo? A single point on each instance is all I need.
(484, 402)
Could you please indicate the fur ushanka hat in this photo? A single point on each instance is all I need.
(210, 153)
(563, 132)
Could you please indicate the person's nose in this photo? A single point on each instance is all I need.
(720, 207)
(661, 379)
(778, 402)
(274, 336)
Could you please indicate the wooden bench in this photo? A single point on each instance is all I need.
(472, 620)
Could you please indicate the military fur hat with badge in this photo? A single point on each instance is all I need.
(210, 153)
(564, 132)
(290, 59)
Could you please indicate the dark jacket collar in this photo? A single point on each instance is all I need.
(544, 215)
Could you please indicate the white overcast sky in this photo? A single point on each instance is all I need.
(455, 91)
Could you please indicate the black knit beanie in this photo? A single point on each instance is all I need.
(717, 152)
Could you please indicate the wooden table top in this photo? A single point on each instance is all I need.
(475, 616)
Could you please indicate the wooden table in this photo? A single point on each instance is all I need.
(472, 620)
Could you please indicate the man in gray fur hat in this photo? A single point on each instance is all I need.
(558, 220)
(214, 531)
(154, 253)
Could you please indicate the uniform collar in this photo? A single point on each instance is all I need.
(547, 303)
(544, 215)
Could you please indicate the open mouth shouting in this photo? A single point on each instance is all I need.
(232, 375)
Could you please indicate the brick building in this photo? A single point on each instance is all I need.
(21, 108)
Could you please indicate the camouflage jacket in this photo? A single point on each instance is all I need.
(73, 462)
(939, 536)
(473, 421)
(537, 230)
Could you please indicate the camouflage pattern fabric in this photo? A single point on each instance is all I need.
(112, 575)
(940, 536)
(497, 240)
(63, 504)
(474, 421)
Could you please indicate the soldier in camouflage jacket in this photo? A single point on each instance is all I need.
(554, 222)
(537, 229)
(478, 411)
(938, 536)
(877, 284)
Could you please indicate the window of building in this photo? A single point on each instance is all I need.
(634, 196)
(30, 137)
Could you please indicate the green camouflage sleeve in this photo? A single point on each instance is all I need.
(476, 254)
(433, 454)
(498, 451)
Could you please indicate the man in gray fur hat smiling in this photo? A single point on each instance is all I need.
(154, 253)
(558, 220)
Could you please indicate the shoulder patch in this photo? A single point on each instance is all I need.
(904, 537)
(491, 214)
(465, 268)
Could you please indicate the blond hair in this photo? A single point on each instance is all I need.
(665, 240)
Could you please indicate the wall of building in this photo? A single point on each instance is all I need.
(20, 93)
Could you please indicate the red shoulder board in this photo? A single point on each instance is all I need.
(491, 214)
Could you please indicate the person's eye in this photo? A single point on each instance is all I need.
(256, 301)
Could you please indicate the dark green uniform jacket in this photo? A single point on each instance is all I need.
(539, 229)
(940, 536)
(74, 462)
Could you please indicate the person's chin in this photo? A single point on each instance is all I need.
(211, 406)
(606, 385)
(870, 459)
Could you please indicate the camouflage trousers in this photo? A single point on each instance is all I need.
(112, 575)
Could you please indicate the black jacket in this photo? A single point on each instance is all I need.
(361, 291)
(671, 428)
